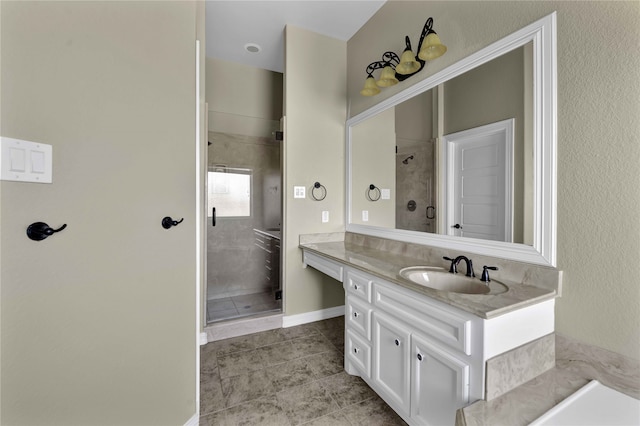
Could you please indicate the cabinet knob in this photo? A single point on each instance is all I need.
(355, 287)
(356, 350)
(355, 315)
(419, 357)
(397, 342)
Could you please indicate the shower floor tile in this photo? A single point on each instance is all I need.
(217, 305)
(240, 306)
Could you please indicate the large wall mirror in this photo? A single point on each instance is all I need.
(465, 159)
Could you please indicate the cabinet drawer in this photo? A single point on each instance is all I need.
(333, 269)
(359, 285)
(441, 324)
(359, 317)
(358, 352)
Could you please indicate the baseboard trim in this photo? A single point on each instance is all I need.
(193, 421)
(307, 317)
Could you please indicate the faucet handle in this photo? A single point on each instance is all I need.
(485, 273)
(453, 269)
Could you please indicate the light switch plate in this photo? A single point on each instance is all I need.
(25, 161)
(299, 192)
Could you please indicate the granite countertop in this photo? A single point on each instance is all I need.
(271, 232)
(387, 266)
(577, 363)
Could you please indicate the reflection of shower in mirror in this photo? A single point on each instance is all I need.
(406, 160)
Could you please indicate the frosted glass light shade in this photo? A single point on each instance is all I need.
(432, 48)
(387, 78)
(408, 63)
(370, 87)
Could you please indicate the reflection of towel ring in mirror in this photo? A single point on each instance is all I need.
(323, 191)
(376, 193)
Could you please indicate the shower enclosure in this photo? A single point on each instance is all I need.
(244, 217)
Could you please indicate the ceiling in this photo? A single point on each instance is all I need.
(233, 24)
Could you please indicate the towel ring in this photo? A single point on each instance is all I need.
(323, 191)
(376, 193)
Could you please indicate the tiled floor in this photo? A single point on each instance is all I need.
(290, 376)
(241, 306)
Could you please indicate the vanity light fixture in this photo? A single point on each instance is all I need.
(395, 69)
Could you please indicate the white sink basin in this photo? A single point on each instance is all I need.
(441, 279)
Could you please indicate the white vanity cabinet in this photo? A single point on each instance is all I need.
(440, 385)
(414, 352)
(391, 360)
(424, 356)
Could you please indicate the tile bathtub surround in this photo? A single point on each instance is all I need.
(511, 369)
(287, 376)
(576, 365)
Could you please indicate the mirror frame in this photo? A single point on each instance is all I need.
(543, 251)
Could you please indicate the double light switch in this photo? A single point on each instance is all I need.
(25, 161)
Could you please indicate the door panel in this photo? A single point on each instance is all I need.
(391, 359)
(99, 320)
(480, 181)
(441, 384)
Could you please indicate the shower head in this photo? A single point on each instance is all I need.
(406, 160)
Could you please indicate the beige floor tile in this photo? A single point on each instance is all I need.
(333, 419)
(306, 402)
(291, 373)
(326, 363)
(259, 412)
(277, 353)
(237, 363)
(310, 345)
(346, 389)
(372, 412)
(286, 377)
(246, 387)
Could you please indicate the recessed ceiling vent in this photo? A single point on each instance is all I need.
(252, 48)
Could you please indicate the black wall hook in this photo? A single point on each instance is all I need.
(167, 222)
(38, 231)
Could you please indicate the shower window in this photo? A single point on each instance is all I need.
(229, 191)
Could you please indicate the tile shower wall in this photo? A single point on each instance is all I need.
(414, 181)
(233, 266)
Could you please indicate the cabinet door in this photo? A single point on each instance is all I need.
(440, 384)
(391, 374)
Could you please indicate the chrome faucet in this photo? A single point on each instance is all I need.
(454, 265)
